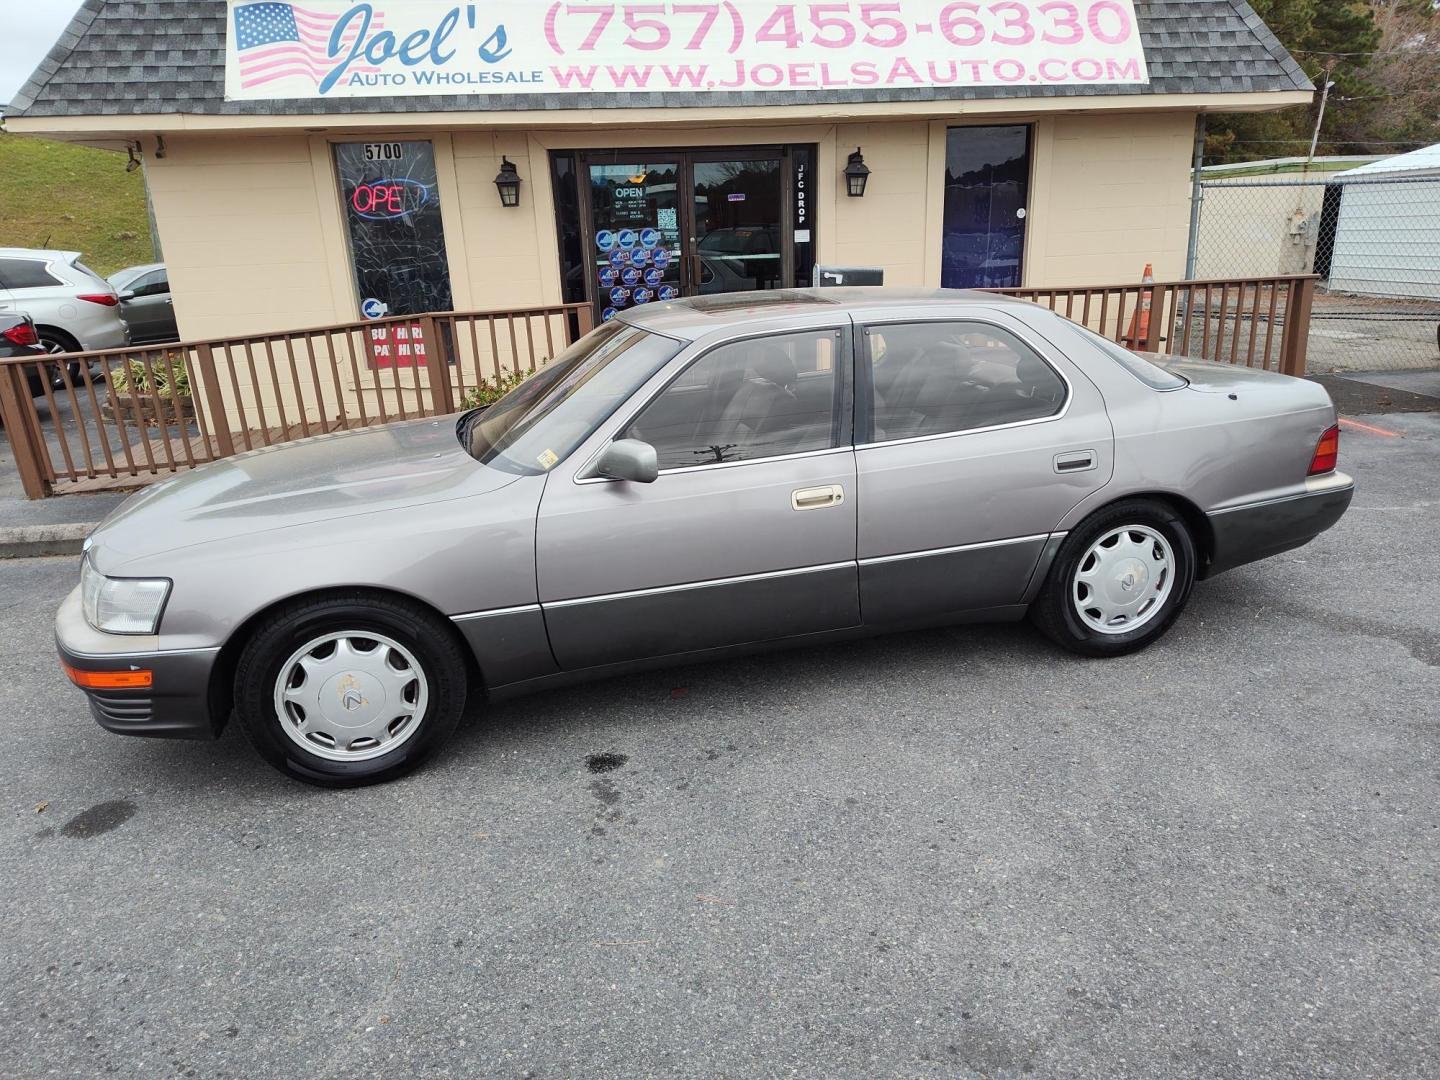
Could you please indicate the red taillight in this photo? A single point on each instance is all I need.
(1327, 452)
(23, 334)
(103, 299)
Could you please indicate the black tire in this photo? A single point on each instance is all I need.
(1056, 616)
(56, 340)
(429, 638)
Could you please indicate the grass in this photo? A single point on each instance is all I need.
(73, 198)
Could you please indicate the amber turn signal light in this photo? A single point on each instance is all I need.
(1327, 452)
(109, 680)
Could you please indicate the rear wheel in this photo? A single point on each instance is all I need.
(350, 690)
(56, 342)
(1119, 580)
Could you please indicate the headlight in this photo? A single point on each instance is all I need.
(121, 605)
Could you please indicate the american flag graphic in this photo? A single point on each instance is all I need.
(281, 41)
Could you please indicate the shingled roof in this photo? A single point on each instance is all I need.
(155, 57)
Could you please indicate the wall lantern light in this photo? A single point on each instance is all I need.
(857, 175)
(508, 182)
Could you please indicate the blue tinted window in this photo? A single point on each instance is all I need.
(987, 181)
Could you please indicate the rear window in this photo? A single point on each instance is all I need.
(26, 274)
(1151, 374)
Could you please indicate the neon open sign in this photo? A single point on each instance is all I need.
(384, 200)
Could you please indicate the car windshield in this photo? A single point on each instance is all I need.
(1151, 374)
(535, 426)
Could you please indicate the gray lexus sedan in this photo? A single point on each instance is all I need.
(691, 479)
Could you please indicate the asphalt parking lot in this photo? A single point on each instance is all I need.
(955, 853)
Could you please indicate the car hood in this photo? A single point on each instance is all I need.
(328, 477)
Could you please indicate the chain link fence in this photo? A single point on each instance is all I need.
(1373, 240)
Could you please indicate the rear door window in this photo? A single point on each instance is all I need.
(943, 377)
(26, 274)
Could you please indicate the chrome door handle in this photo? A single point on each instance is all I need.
(817, 497)
(1079, 461)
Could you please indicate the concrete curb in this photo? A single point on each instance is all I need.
(33, 541)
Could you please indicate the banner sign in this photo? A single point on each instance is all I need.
(336, 48)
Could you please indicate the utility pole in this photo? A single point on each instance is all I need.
(1320, 119)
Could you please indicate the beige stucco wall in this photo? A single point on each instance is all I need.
(1108, 195)
(255, 240)
(243, 235)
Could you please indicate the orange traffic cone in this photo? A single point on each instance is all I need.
(1139, 332)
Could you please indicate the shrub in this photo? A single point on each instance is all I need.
(492, 390)
(131, 378)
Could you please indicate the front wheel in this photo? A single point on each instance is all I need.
(1119, 580)
(345, 691)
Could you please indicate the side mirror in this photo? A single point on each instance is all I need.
(629, 459)
(126, 295)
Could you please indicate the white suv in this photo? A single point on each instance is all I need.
(74, 309)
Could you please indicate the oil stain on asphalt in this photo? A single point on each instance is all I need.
(99, 819)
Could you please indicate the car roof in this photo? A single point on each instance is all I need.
(48, 254)
(697, 316)
(138, 270)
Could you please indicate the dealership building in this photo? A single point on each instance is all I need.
(318, 163)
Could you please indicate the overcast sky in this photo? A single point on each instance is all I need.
(27, 30)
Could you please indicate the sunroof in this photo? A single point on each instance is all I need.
(742, 302)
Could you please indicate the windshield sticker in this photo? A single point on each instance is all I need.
(652, 277)
(649, 237)
(548, 459)
(661, 258)
(608, 314)
(668, 292)
(607, 277)
(619, 296)
(605, 240)
(628, 238)
(642, 296)
(630, 276)
(639, 257)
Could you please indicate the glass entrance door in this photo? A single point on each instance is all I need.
(987, 183)
(635, 236)
(674, 223)
(737, 244)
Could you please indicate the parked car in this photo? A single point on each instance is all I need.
(75, 310)
(692, 479)
(146, 304)
(19, 339)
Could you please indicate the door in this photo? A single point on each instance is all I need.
(987, 183)
(976, 442)
(635, 239)
(664, 224)
(151, 312)
(747, 535)
(735, 237)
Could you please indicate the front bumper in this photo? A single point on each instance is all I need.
(177, 704)
(1244, 534)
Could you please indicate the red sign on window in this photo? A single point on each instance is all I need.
(397, 344)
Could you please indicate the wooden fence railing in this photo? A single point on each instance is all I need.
(1252, 322)
(128, 416)
(132, 415)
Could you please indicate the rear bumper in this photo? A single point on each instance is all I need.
(177, 704)
(1244, 534)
